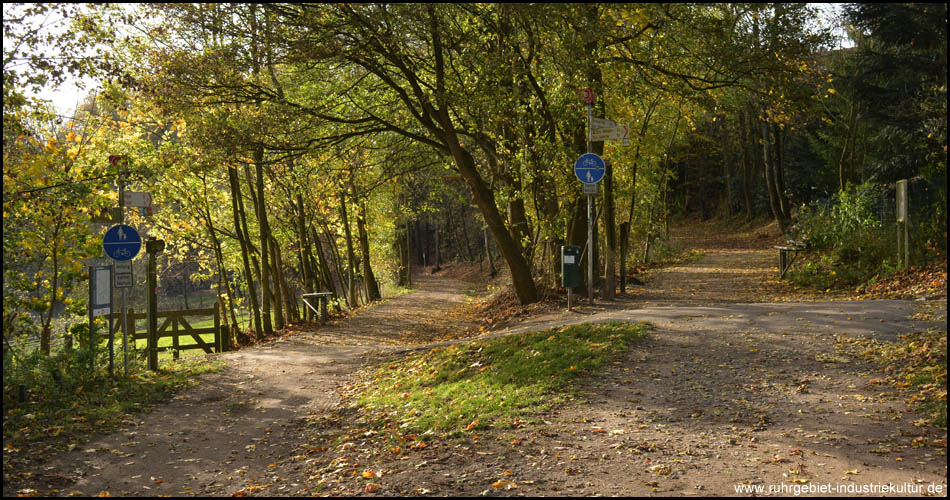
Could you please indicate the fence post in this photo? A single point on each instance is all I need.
(217, 329)
(130, 335)
(174, 333)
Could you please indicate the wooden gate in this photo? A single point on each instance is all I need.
(175, 324)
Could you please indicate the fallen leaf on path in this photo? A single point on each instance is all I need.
(503, 484)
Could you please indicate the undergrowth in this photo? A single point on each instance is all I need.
(60, 400)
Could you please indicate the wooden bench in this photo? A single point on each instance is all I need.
(784, 262)
(323, 298)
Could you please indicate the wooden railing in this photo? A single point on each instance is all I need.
(175, 325)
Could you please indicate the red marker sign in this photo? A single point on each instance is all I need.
(589, 96)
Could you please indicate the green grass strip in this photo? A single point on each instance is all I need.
(83, 403)
(485, 383)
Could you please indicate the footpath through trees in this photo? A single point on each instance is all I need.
(739, 386)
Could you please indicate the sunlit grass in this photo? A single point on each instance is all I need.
(77, 401)
(485, 383)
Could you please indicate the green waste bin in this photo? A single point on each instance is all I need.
(570, 266)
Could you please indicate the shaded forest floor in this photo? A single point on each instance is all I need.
(744, 381)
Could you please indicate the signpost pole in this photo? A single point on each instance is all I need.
(590, 216)
(125, 322)
(92, 324)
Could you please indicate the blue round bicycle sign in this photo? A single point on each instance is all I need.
(122, 242)
(589, 168)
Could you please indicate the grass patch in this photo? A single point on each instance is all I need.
(68, 402)
(486, 383)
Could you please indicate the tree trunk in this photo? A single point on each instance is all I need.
(779, 166)
(46, 332)
(303, 255)
(726, 162)
(276, 292)
(340, 282)
(350, 255)
(520, 271)
(372, 287)
(266, 296)
(291, 313)
(222, 273)
(768, 156)
(610, 283)
(237, 207)
(323, 265)
(577, 236)
(402, 252)
(747, 160)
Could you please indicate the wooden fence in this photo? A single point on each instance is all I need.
(175, 324)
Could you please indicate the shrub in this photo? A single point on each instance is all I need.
(854, 243)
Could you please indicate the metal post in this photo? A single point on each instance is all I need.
(125, 335)
(590, 217)
(92, 325)
(122, 310)
(111, 334)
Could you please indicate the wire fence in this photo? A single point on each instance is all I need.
(924, 214)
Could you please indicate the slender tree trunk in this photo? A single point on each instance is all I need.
(842, 172)
(264, 237)
(276, 293)
(779, 166)
(350, 255)
(290, 303)
(303, 254)
(768, 156)
(402, 251)
(372, 287)
(323, 264)
(745, 146)
(491, 260)
(610, 283)
(726, 163)
(340, 282)
(222, 272)
(237, 207)
(46, 332)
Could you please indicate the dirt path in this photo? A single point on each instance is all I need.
(732, 388)
(228, 434)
